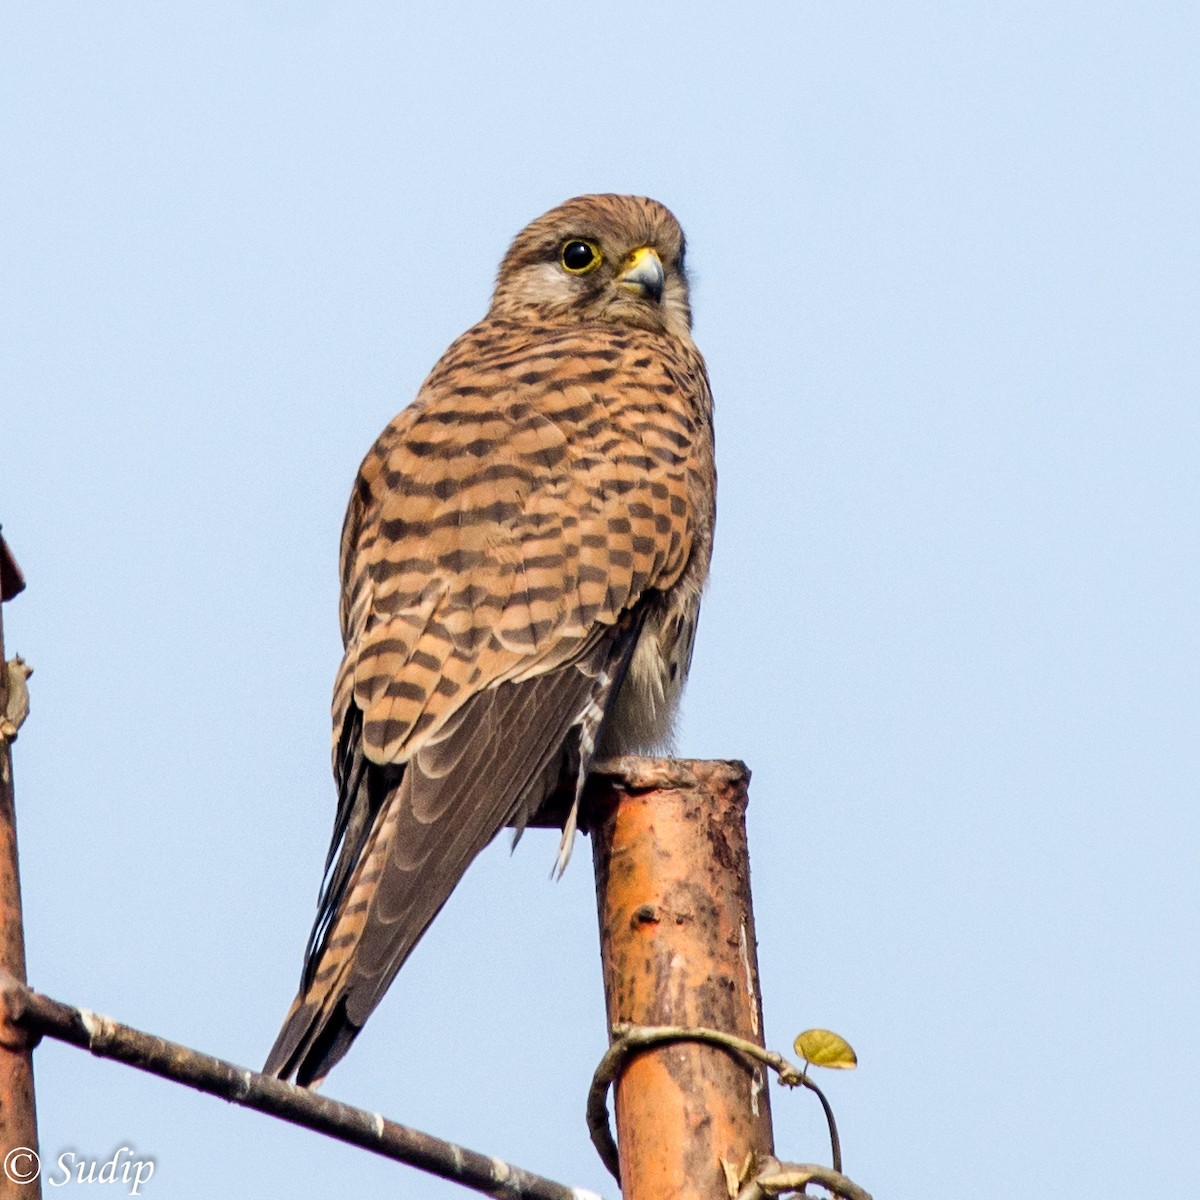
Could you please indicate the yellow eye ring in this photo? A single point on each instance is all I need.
(580, 256)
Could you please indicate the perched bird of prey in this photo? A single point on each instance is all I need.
(521, 565)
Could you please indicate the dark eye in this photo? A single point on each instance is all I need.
(580, 257)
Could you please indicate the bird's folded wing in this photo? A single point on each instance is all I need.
(501, 753)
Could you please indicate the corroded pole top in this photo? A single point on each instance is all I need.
(632, 773)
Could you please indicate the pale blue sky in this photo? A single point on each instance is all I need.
(946, 269)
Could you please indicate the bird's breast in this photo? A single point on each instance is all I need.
(642, 720)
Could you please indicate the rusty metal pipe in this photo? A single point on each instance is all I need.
(678, 948)
(18, 1116)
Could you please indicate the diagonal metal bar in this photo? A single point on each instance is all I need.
(40, 1015)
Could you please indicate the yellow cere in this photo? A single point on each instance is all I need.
(637, 256)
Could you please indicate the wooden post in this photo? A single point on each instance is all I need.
(18, 1120)
(678, 948)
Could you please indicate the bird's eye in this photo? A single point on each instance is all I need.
(580, 257)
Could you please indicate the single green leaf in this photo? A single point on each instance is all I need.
(824, 1048)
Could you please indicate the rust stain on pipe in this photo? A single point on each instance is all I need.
(18, 1120)
(678, 948)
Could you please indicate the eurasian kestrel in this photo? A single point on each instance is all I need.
(521, 564)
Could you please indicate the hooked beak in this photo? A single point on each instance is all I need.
(644, 274)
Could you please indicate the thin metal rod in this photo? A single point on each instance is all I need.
(678, 949)
(108, 1039)
(18, 1115)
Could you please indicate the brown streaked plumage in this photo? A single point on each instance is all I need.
(521, 562)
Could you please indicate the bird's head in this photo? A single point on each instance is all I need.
(598, 258)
